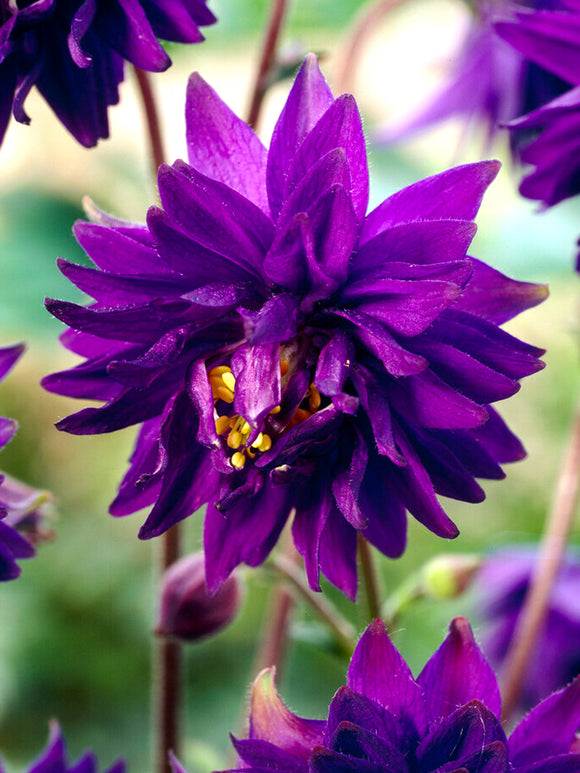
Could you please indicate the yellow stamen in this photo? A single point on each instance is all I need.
(238, 460)
(275, 409)
(219, 371)
(314, 399)
(225, 394)
(266, 443)
(235, 439)
(245, 428)
(257, 441)
(229, 380)
(284, 366)
(221, 424)
(251, 454)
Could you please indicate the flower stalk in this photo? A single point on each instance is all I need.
(152, 121)
(278, 12)
(551, 552)
(370, 581)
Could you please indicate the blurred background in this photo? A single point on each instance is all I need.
(75, 629)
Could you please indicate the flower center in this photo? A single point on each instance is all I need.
(236, 430)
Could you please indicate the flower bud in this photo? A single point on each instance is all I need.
(186, 611)
(25, 509)
(449, 575)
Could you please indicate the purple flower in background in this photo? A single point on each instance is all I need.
(13, 546)
(284, 352)
(385, 720)
(500, 589)
(73, 52)
(552, 40)
(54, 759)
(490, 82)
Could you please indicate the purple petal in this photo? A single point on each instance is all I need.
(454, 194)
(359, 743)
(378, 672)
(309, 98)
(312, 511)
(7, 429)
(133, 495)
(386, 518)
(258, 387)
(326, 761)
(549, 729)
(274, 322)
(222, 146)
(271, 721)
(338, 546)
(8, 358)
(497, 298)
(458, 673)
(334, 362)
(261, 756)
(118, 252)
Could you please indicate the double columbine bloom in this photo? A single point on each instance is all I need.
(54, 758)
(284, 351)
(73, 51)
(446, 720)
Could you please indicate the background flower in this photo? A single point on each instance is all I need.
(384, 719)
(500, 589)
(338, 364)
(73, 52)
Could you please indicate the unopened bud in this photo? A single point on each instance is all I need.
(186, 612)
(25, 509)
(449, 575)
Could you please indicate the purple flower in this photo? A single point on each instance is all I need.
(500, 590)
(13, 546)
(283, 352)
(552, 40)
(54, 759)
(73, 51)
(490, 82)
(385, 720)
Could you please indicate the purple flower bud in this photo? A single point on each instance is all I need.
(186, 611)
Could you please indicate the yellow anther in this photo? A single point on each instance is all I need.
(314, 399)
(257, 441)
(251, 454)
(234, 421)
(229, 380)
(284, 365)
(266, 443)
(238, 460)
(223, 393)
(275, 409)
(235, 439)
(221, 424)
(301, 415)
(245, 429)
(219, 371)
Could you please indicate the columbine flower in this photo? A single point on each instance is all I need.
(552, 40)
(54, 759)
(73, 51)
(13, 546)
(186, 612)
(490, 82)
(385, 720)
(284, 352)
(500, 589)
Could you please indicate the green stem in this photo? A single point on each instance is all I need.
(152, 121)
(369, 578)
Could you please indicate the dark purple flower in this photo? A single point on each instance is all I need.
(73, 52)
(552, 40)
(13, 546)
(284, 352)
(490, 82)
(54, 759)
(186, 612)
(445, 721)
(500, 590)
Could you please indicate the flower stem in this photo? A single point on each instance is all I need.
(261, 84)
(365, 24)
(369, 578)
(551, 552)
(344, 632)
(272, 646)
(156, 146)
(166, 692)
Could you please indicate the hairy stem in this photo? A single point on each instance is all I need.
(166, 688)
(343, 631)
(369, 578)
(278, 11)
(364, 25)
(156, 145)
(551, 552)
